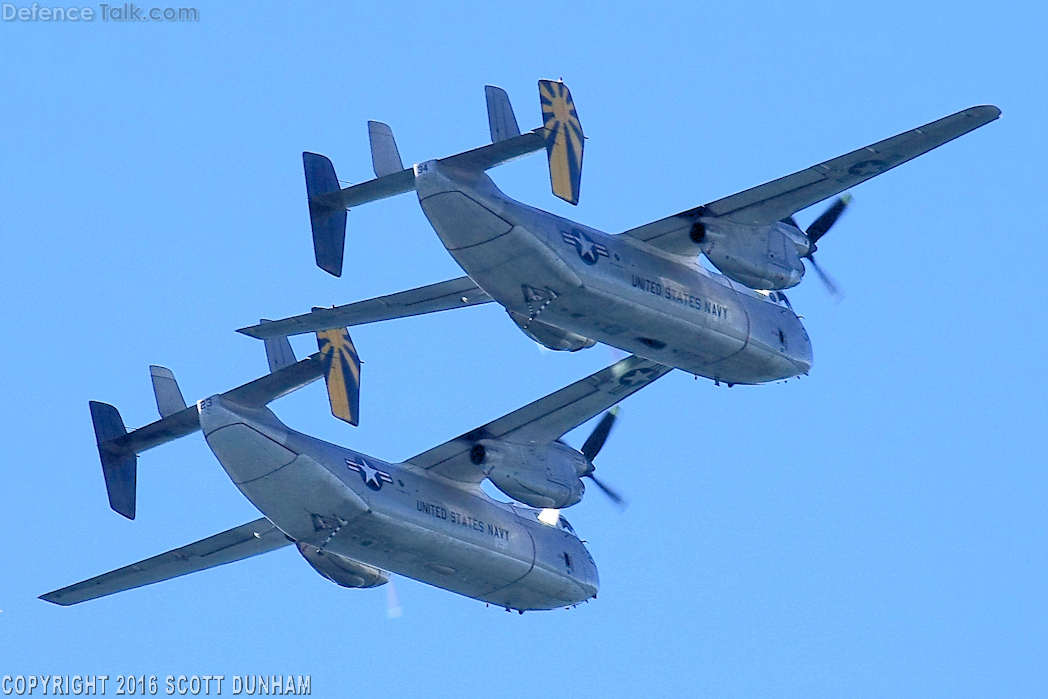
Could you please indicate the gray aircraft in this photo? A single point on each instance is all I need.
(356, 518)
(568, 286)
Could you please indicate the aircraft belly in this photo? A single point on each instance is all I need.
(460, 542)
(675, 316)
(653, 328)
(450, 558)
(506, 266)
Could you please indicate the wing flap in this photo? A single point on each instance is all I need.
(546, 419)
(235, 544)
(454, 293)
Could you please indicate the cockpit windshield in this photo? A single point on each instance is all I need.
(566, 527)
(553, 518)
(776, 297)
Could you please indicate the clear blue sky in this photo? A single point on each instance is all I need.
(876, 529)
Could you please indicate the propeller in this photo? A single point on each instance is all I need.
(817, 230)
(593, 446)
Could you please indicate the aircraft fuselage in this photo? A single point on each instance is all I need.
(397, 517)
(572, 284)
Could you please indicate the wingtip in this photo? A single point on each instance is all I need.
(987, 110)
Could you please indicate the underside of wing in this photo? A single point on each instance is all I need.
(236, 544)
(454, 293)
(547, 419)
(776, 200)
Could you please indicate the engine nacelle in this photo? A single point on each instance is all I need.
(761, 257)
(341, 570)
(544, 476)
(549, 336)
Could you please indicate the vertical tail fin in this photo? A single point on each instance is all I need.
(169, 398)
(501, 120)
(119, 466)
(564, 139)
(341, 373)
(329, 224)
(385, 157)
(278, 351)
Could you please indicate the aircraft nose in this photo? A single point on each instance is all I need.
(587, 577)
(801, 354)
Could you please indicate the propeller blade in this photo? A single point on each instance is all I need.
(609, 491)
(596, 439)
(831, 286)
(828, 218)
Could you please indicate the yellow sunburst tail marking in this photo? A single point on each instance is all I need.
(564, 139)
(341, 373)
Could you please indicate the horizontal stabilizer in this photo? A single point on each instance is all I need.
(328, 223)
(119, 465)
(483, 158)
(365, 192)
(564, 139)
(341, 373)
(265, 390)
(118, 448)
(454, 293)
(501, 120)
(385, 157)
(236, 544)
(169, 398)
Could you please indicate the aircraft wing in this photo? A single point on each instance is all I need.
(778, 199)
(236, 544)
(547, 419)
(454, 293)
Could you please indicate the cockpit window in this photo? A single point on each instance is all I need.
(552, 517)
(565, 526)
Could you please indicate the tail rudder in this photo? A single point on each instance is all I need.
(328, 222)
(341, 373)
(501, 120)
(278, 351)
(564, 139)
(119, 463)
(169, 398)
(385, 157)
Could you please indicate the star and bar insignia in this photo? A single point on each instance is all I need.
(373, 478)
